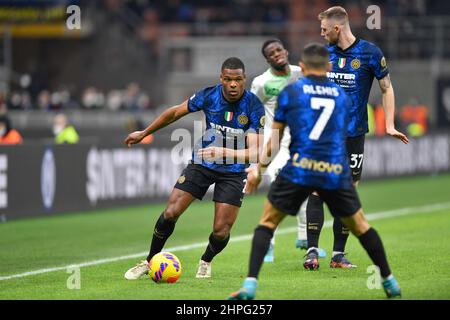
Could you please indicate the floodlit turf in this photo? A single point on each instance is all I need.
(416, 243)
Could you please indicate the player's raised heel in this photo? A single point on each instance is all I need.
(392, 288)
(269, 257)
(247, 292)
(340, 261)
(137, 271)
(303, 245)
(311, 259)
(204, 270)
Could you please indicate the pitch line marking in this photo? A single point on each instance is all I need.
(327, 224)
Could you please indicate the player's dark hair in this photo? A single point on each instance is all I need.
(233, 63)
(315, 56)
(267, 43)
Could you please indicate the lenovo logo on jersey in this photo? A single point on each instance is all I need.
(314, 165)
(226, 129)
(341, 76)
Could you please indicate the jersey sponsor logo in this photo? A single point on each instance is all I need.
(226, 129)
(383, 62)
(271, 91)
(228, 116)
(314, 165)
(355, 64)
(341, 76)
(243, 119)
(341, 62)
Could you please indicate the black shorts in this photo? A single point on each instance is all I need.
(229, 187)
(355, 151)
(287, 197)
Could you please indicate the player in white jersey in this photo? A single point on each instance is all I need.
(267, 87)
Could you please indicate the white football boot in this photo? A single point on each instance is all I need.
(137, 271)
(204, 270)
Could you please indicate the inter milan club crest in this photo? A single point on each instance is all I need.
(242, 119)
(341, 62)
(355, 64)
(228, 116)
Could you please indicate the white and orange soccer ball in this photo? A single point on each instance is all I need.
(165, 267)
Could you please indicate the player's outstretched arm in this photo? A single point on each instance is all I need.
(249, 155)
(388, 97)
(167, 117)
(269, 151)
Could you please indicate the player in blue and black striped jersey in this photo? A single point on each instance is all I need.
(355, 63)
(317, 112)
(234, 119)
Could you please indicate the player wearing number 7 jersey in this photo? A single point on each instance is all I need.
(317, 112)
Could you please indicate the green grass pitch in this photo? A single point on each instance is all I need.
(416, 240)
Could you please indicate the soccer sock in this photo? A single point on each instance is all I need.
(371, 241)
(301, 222)
(260, 244)
(214, 247)
(314, 218)
(163, 230)
(341, 233)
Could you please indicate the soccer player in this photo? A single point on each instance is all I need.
(316, 111)
(267, 87)
(234, 117)
(355, 62)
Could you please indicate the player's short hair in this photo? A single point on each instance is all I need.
(268, 43)
(233, 63)
(315, 56)
(335, 12)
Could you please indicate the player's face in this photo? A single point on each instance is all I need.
(329, 31)
(276, 55)
(233, 81)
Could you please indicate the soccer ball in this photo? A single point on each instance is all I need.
(165, 267)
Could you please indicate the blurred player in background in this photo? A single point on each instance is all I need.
(355, 62)
(267, 87)
(234, 117)
(316, 111)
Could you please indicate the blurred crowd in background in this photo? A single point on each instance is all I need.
(39, 82)
(193, 17)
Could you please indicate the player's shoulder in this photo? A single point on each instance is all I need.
(296, 70)
(210, 90)
(260, 79)
(293, 88)
(251, 98)
(368, 46)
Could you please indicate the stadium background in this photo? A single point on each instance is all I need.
(132, 59)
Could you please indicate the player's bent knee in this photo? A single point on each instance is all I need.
(357, 223)
(221, 234)
(171, 213)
